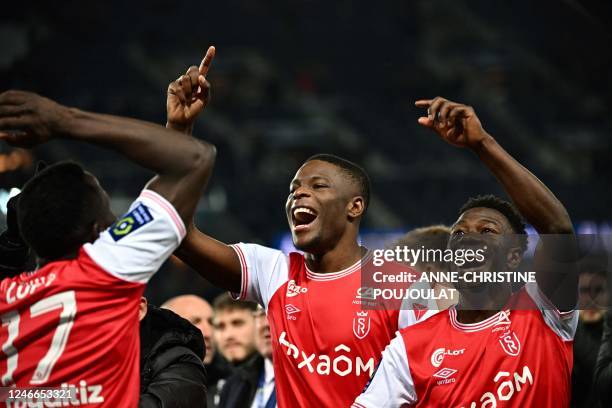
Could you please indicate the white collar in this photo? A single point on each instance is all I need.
(269, 370)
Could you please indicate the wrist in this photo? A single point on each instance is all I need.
(484, 144)
(186, 129)
(66, 122)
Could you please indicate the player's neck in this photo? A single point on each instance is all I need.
(474, 307)
(340, 257)
(43, 261)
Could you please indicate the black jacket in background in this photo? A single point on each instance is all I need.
(217, 371)
(586, 347)
(172, 374)
(240, 388)
(603, 367)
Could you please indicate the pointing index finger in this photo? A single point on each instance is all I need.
(205, 64)
(423, 103)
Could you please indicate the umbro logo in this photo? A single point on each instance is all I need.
(294, 290)
(291, 310)
(445, 375)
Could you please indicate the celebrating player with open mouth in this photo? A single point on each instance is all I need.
(495, 348)
(325, 345)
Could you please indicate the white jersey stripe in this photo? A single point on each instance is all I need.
(163, 203)
(244, 273)
(340, 274)
(472, 327)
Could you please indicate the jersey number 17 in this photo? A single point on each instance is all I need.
(66, 301)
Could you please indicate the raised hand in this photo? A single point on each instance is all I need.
(189, 95)
(454, 122)
(28, 119)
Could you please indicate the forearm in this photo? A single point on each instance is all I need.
(534, 200)
(213, 260)
(161, 150)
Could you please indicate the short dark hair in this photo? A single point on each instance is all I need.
(431, 237)
(57, 208)
(508, 209)
(226, 303)
(354, 171)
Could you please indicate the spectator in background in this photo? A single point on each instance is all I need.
(603, 368)
(15, 255)
(14, 251)
(253, 388)
(432, 237)
(172, 374)
(234, 333)
(593, 299)
(199, 313)
(234, 329)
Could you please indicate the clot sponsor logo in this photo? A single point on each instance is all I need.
(293, 289)
(341, 363)
(437, 357)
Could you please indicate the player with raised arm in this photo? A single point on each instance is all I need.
(325, 343)
(73, 323)
(495, 348)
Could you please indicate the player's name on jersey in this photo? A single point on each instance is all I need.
(455, 277)
(18, 291)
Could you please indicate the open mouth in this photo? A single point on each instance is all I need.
(303, 217)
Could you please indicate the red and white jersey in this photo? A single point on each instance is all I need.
(74, 323)
(326, 345)
(520, 357)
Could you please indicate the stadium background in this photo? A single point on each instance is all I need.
(293, 78)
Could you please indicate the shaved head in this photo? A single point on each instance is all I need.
(199, 313)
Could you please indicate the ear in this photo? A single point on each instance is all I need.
(142, 308)
(514, 258)
(356, 207)
(95, 231)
